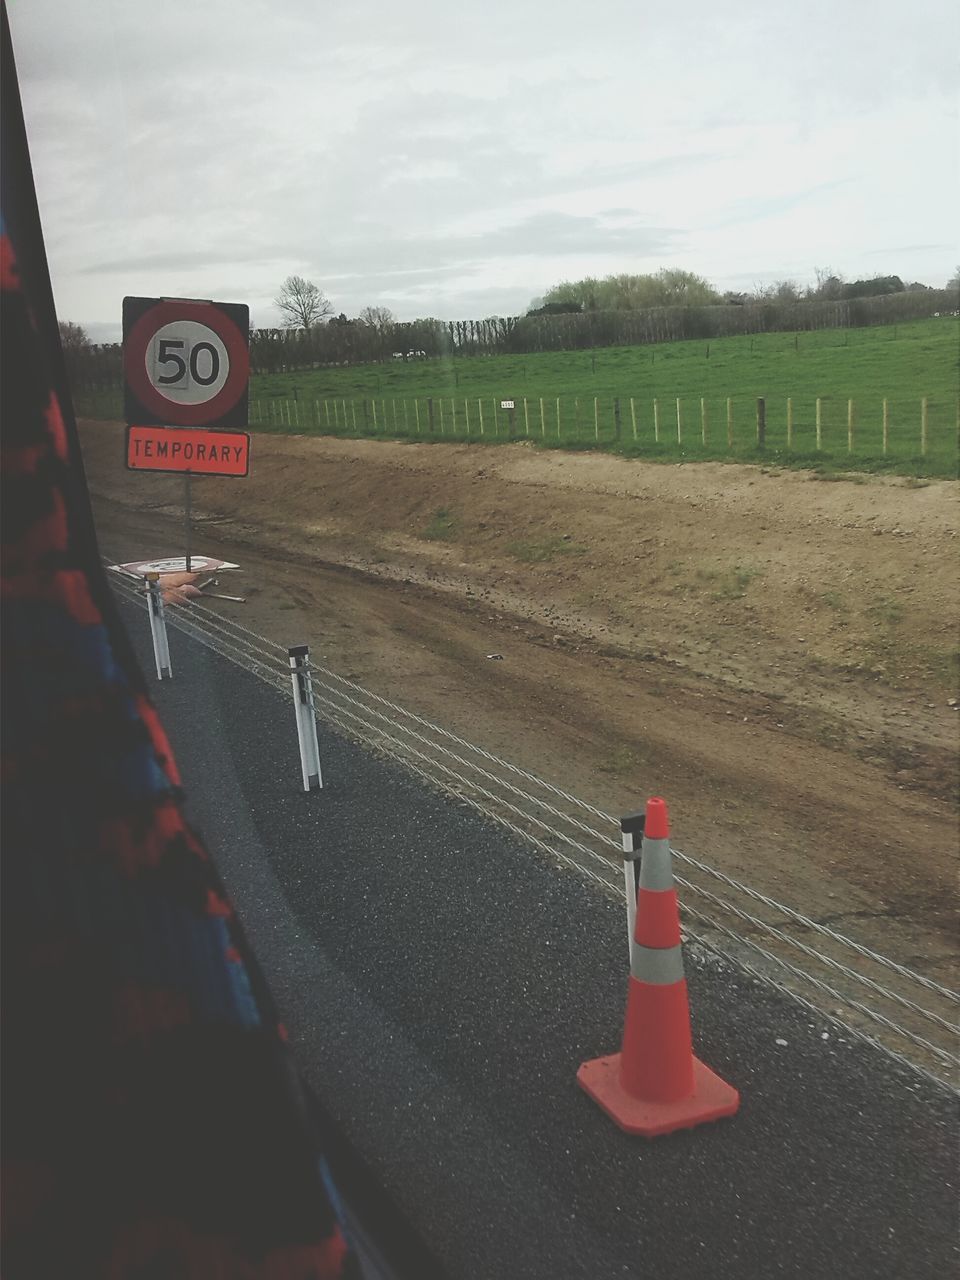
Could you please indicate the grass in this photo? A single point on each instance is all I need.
(438, 399)
(442, 527)
(538, 552)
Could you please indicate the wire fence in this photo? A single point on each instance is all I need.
(884, 427)
(910, 1015)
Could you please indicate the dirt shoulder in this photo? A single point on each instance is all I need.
(775, 652)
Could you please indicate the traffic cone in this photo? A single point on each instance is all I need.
(655, 1085)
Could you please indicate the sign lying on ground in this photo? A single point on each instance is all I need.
(186, 363)
(173, 564)
(197, 453)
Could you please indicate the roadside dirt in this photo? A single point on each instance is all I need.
(775, 652)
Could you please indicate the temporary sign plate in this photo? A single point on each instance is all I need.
(196, 453)
(185, 363)
(173, 564)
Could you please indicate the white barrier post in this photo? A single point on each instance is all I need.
(306, 716)
(158, 627)
(631, 831)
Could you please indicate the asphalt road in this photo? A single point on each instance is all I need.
(442, 982)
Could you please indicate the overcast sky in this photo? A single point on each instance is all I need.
(456, 159)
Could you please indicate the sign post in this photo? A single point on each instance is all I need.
(186, 365)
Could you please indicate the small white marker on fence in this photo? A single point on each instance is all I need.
(158, 627)
(631, 833)
(306, 716)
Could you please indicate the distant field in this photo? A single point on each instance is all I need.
(903, 363)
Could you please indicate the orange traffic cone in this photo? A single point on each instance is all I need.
(655, 1084)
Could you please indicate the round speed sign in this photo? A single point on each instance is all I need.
(186, 363)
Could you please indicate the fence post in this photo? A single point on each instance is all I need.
(849, 426)
(656, 420)
(366, 416)
(923, 426)
(406, 425)
(703, 420)
(480, 413)
(543, 419)
(576, 417)
(158, 627)
(299, 656)
(296, 412)
(633, 417)
(466, 414)
(416, 410)
(679, 422)
(886, 425)
(761, 423)
(526, 417)
(596, 418)
(789, 422)
(616, 416)
(496, 418)
(453, 415)
(353, 413)
(383, 414)
(729, 422)
(819, 422)
(440, 407)
(316, 411)
(326, 408)
(558, 417)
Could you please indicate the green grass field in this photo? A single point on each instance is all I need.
(445, 398)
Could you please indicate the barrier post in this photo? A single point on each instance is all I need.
(306, 716)
(631, 834)
(158, 627)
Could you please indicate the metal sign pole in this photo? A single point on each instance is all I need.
(306, 717)
(186, 515)
(158, 627)
(631, 830)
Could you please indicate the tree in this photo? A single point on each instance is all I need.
(73, 337)
(301, 303)
(377, 317)
(954, 282)
(669, 287)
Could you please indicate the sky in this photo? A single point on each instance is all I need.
(456, 160)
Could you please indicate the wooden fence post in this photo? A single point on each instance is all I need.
(453, 415)
(543, 419)
(849, 426)
(558, 417)
(656, 420)
(416, 410)
(326, 409)
(316, 410)
(383, 406)
(923, 426)
(729, 422)
(761, 423)
(353, 413)
(406, 425)
(526, 417)
(430, 414)
(366, 418)
(466, 414)
(679, 422)
(480, 413)
(440, 406)
(819, 423)
(396, 425)
(576, 417)
(496, 418)
(633, 417)
(789, 422)
(596, 418)
(703, 420)
(886, 425)
(616, 416)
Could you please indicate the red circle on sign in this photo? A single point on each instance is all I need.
(171, 411)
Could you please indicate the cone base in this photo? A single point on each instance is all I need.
(712, 1099)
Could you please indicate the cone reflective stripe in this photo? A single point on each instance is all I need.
(655, 1085)
(158, 627)
(306, 716)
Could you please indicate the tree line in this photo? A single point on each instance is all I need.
(314, 337)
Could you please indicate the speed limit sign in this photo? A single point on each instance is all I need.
(185, 363)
